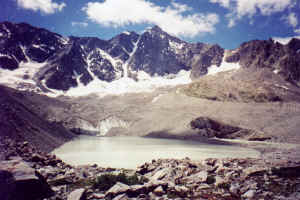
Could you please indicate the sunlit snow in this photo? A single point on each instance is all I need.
(285, 40)
(23, 74)
(124, 85)
(225, 66)
(126, 32)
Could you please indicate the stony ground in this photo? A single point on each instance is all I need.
(271, 177)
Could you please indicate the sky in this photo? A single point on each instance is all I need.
(225, 22)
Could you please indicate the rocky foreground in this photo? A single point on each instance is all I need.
(26, 173)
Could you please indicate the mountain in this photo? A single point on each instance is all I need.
(69, 62)
(38, 57)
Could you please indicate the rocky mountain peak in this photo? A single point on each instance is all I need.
(69, 62)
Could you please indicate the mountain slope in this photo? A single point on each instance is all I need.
(23, 117)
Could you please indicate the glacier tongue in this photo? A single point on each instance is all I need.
(111, 122)
(124, 85)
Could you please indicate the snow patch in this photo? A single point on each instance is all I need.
(175, 46)
(23, 48)
(39, 47)
(284, 40)
(276, 71)
(282, 86)
(126, 32)
(6, 30)
(22, 75)
(108, 57)
(225, 66)
(5, 55)
(156, 98)
(1, 34)
(63, 40)
(125, 65)
(111, 122)
(145, 83)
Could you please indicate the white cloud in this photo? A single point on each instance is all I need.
(224, 3)
(241, 8)
(174, 19)
(231, 23)
(81, 24)
(45, 6)
(291, 19)
(285, 40)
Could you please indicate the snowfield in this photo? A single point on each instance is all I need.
(145, 83)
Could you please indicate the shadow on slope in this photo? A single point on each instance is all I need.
(22, 118)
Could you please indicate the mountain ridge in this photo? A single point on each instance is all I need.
(70, 62)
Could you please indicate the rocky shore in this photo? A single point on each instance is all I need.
(27, 173)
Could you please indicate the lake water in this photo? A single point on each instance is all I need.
(130, 152)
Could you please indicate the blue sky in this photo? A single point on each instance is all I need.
(226, 22)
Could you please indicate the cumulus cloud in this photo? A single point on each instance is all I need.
(224, 3)
(81, 24)
(174, 18)
(45, 6)
(291, 19)
(241, 8)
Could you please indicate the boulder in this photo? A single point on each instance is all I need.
(19, 181)
(249, 194)
(159, 191)
(78, 194)
(199, 177)
(159, 175)
(181, 191)
(118, 188)
(121, 197)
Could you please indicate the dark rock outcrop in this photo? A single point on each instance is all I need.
(211, 128)
(18, 181)
(282, 59)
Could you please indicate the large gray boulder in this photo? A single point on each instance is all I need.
(18, 181)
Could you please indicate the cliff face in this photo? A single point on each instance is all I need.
(281, 59)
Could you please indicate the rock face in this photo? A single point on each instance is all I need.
(210, 128)
(281, 59)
